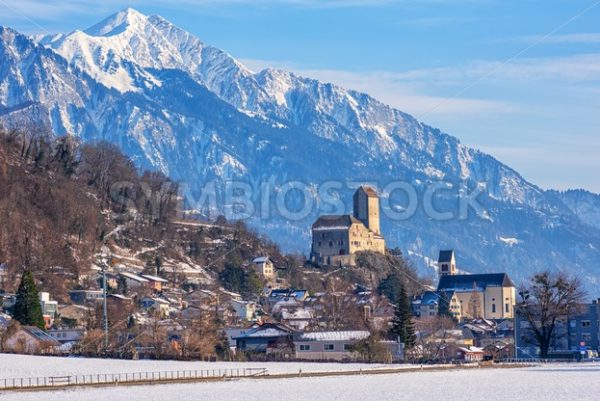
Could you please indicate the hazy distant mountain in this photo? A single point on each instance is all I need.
(176, 104)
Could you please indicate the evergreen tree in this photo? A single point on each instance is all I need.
(27, 309)
(402, 324)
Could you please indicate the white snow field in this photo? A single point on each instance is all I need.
(18, 366)
(575, 382)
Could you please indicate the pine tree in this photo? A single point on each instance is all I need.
(27, 309)
(402, 324)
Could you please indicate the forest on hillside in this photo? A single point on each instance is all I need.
(61, 200)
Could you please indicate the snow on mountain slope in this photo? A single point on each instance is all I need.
(194, 112)
(583, 203)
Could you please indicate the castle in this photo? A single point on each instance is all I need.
(337, 238)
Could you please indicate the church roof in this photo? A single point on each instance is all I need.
(445, 256)
(335, 221)
(466, 282)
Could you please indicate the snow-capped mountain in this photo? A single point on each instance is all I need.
(192, 111)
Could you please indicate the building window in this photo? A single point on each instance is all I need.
(328, 347)
(507, 308)
(493, 308)
(330, 244)
(585, 323)
(347, 347)
(304, 347)
(586, 337)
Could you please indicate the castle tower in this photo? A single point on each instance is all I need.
(366, 208)
(447, 263)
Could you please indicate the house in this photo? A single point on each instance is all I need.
(470, 354)
(156, 305)
(337, 238)
(73, 315)
(7, 301)
(300, 319)
(286, 294)
(498, 350)
(328, 345)
(244, 310)
(233, 332)
(119, 307)
(49, 307)
(425, 304)
(200, 297)
(267, 338)
(488, 332)
(67, 335)
(30, 340)
(135, 281)
(81, 297)
(155, 283)
(3, 274)
(4, 320)
(264, 267)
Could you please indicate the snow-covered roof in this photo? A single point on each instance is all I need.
(471, 349)
(348, 335)
(260, 259)
(155, 278)
(134, 277)
(119, 296)
(300, 314)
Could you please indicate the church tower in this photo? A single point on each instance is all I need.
(447, 263)
(366, 208)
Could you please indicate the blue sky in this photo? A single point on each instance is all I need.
(517, 79)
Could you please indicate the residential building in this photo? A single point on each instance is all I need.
(155, 283)
(300, 318)
(119, 307)
(285, 294)
(267, 338)
(244, 310)
(328, 345)
(265, 268)
(49, 308)
(155, 305)
(74, 315)
(67, 335)
(81, 297)
(30, 340)
(337, 238)
(577, 336)
(135, 281)
(470, 354)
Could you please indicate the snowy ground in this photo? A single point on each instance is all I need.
(38, 366)
(547, 383)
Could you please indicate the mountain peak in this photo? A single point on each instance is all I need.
(117, 23)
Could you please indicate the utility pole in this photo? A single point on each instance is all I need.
(104, 265)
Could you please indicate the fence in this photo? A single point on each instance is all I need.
(129, 378)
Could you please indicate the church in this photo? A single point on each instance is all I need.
(337, 238)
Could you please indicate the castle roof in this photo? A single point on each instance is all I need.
(334, 221)
(445, 256)
(369, 191)
(466, 282)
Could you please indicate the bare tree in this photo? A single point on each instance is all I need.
(546, 301)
